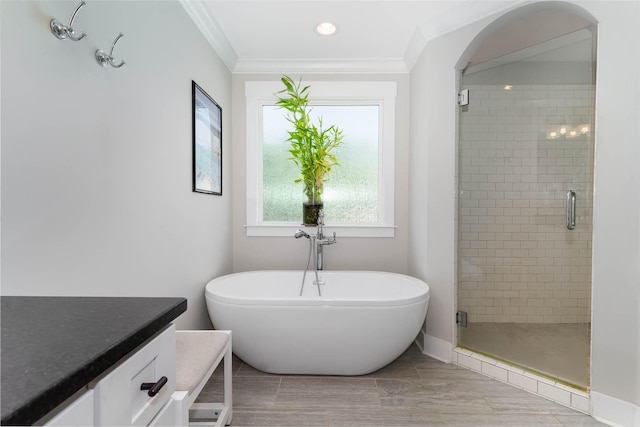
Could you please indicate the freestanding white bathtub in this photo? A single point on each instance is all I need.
(363, 320)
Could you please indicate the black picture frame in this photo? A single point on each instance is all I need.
(207, 142)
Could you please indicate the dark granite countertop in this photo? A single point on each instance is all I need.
(53, 346)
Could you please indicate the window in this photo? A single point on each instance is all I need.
(359, 194)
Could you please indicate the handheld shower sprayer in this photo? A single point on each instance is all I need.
(300, 233)
(312, 240)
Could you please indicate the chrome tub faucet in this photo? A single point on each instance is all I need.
(321, 241)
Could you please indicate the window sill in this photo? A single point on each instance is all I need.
(289, 229)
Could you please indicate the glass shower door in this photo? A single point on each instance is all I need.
(526, 152)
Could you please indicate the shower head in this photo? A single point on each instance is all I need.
(300, 233)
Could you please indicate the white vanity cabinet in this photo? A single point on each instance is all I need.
(93, 355)
(79, 413)
(167, 415)
(118, 398)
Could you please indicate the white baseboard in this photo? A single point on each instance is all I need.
(614, 412)
(435, 347)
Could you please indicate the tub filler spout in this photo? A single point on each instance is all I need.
(300, 233)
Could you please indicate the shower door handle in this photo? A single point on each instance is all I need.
(571, 209)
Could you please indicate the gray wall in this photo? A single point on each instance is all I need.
(432, 181)
(96, 163)
(96, 171)
(615, 354)
(615, 366)
(350, 253)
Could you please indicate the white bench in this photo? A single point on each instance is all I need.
(198, 354)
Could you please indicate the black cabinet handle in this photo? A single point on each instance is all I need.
(154, 388)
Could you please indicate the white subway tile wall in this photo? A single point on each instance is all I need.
(521, 150)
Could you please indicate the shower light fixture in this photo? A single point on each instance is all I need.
(326, 29)
(568, 132)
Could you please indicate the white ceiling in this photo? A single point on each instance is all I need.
(373, 36)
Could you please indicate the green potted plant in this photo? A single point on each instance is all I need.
(312, 146)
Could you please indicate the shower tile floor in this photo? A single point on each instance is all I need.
(559, 350)
(414, 390)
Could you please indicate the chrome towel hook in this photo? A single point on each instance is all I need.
(62, 31)
(104, 59)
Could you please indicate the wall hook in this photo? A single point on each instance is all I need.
(104, 59)
(62, 31)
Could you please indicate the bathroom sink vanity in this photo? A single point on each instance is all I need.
(82, 360)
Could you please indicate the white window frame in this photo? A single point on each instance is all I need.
(383, 94)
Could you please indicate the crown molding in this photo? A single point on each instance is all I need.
(315, 66)
(210, 29)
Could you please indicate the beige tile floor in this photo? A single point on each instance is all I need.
(415, 390)
(560, 350)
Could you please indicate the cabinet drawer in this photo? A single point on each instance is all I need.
(118, 398)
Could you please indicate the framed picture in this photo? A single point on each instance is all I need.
(207, 143)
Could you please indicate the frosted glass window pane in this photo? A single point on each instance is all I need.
(351, 193)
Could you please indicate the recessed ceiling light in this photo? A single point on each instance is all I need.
(326, 29)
